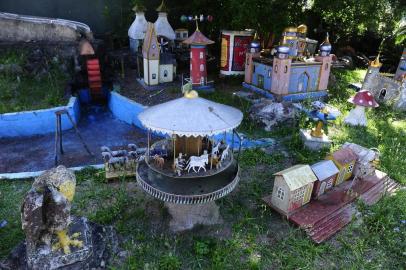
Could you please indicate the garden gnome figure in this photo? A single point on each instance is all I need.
(357, 116)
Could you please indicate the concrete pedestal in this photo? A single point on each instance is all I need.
(185, 217)
(314, 143)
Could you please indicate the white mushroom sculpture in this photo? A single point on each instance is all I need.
(357, 116)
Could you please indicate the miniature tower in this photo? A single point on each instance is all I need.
(162, 26)
(150, 54)
(289, 38)
(254, 51)
(138, 28)
(373, 70)
(325, 58)
(198, 72)
(281, 70)
(401, 71)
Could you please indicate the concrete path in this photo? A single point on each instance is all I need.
(97, 126)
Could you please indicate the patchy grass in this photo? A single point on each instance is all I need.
(252, 236)
(26, 91)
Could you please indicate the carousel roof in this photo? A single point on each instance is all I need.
(197, 38)
(191, 116)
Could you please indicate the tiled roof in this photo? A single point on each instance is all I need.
(198, 39)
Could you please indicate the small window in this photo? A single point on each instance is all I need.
(177, 35)
(185, 35)
(382, 94)
(276, 69)
(270, 73)
(286, 69)
(190, 67)
(191, 55)
(280, 193)
(153, 76)
(254, 69)
(201, 55)
(201, 67)
(329, 183)
(165, 73)
(260, 81)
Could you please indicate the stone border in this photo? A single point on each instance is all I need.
(37, 122)
(125, 109)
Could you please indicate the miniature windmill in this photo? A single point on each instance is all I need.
(198, 43)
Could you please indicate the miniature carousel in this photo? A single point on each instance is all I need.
(193, 166)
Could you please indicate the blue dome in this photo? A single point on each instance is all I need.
(325, 47)
(255, 44)
(283, 49)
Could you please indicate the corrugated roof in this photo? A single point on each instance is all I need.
(344, 156)
(297, 176)
(324, 169)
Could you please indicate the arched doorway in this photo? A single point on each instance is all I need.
(382, 94)
(303, 82)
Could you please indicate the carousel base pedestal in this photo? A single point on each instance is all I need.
(314, 143)
(187, 216)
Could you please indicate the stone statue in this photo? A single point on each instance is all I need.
(46, 211)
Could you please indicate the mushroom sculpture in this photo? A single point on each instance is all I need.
(361, 100)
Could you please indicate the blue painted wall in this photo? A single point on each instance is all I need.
(312, 71)
(125, 109)
(262, 69)
(29, 123)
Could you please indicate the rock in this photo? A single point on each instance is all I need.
(272, 113)
(314, 143)
(186, 217)
(100, 243)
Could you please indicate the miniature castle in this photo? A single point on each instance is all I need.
(385, 89)
(294, 72)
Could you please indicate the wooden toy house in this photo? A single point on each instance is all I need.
(344, 159)
(292, 188)
(326, 173)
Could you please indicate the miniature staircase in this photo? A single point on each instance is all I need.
(94, 78)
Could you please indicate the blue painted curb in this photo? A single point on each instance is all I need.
(38, 122)
(125, 109)
(258, 90)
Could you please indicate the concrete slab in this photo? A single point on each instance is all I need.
(97, 127)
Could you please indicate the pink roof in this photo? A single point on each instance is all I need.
(344, 156)
(198, 39)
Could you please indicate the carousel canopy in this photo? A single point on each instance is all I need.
(191, 116)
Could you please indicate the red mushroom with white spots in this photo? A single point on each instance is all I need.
(361, 100)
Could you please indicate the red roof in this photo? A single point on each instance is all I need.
(344, 156)
(198, 39)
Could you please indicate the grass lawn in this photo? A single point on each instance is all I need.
(252, 236)
(24, 91)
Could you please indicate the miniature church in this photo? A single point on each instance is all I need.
(384, 88)
(294, 72)
(159, 66)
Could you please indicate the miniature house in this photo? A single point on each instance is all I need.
(366, 161)
(294, 73)
(292, 188)
(386, 89)
(344, 159)
(326, 173)
(159, 67)
(181, 35)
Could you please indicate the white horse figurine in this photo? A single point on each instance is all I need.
(199, 162)
(216, 149)
(224, 155)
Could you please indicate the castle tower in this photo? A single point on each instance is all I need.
(290, 39)
(150, 54)
(373, 70)
(162, 26)
(198, 72)
(325, 58)
(401, 71)
(254, 51)
(138, 28)
(281, 71)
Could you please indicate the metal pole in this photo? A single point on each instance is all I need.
(211, 156)
(148, 145)
(59, 117)
(56, 140)
(174, 148)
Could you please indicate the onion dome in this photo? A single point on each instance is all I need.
(197, 38)
(138, 28)
(364, 98)
(255, 44)
(302, 29)
(376, 62)
(326, 46)
(162, 26)
(283, 49)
